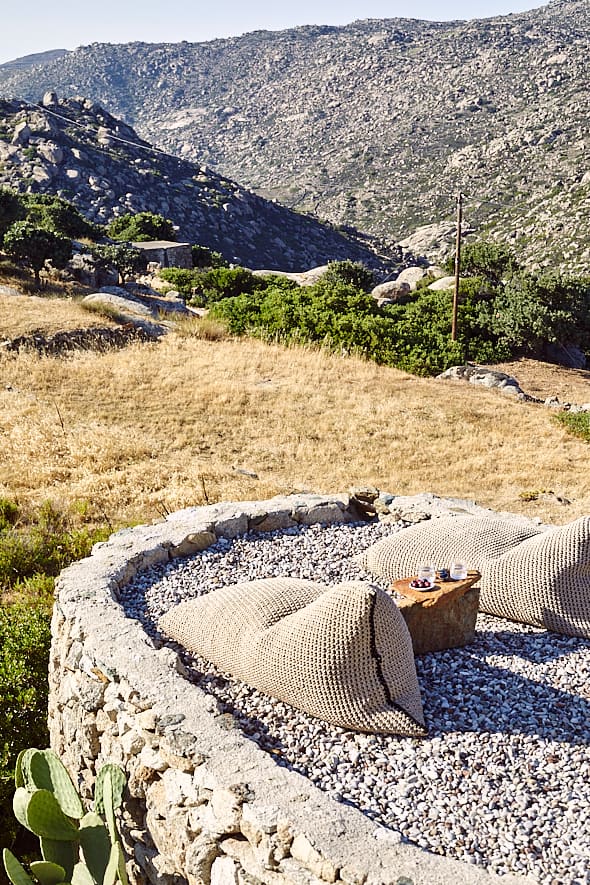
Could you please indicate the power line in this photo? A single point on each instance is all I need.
(146, 147)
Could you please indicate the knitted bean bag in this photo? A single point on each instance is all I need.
(543, 581)
(473, 539)
(343, 653)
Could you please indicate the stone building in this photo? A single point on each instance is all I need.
(166, 253)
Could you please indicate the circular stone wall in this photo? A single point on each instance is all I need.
(204, 803)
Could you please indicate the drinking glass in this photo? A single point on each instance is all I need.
(427, 572)
(458, 570)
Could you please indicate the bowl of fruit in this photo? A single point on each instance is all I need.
(422, 584)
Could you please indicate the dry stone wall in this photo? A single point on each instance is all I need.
(205, 804)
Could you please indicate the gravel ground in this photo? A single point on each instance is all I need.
(503, 778)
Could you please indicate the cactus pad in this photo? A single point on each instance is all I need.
(14, 869)
(116, 789)
(48, 773)
(45, 818)
(48, 873)
(96, 845)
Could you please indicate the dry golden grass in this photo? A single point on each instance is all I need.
(545, 379)
(152, 428)
(23, 314)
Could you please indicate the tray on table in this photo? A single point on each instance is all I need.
(441, 593)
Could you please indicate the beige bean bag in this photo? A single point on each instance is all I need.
(473, 539)
(543, 581)
(536, 576)
(343, 653)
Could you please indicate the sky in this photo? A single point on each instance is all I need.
(36, 25)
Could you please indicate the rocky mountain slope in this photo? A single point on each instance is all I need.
(377, 124)
(76, 149)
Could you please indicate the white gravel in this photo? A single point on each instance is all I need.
(503, 778)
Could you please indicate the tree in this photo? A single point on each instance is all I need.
(353, 272)
(493, 262)
(58, 215)
(35, 245)
(11, 209)
(123, 257)
(141, 227)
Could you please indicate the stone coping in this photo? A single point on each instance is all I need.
(206, 804)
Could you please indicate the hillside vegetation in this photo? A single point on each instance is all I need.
(141, 432)
(75, 149)
(376, 124)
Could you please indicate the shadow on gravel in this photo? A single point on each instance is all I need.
(502, 683)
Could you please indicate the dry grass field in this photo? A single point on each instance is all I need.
(132, 434)
(22, 315)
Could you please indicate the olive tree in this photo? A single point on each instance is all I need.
(33, 246)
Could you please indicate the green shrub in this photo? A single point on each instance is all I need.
(34, 550)
(24, 653)
(41, 548)
(58, 215)
(141, 227)
(124, 258)
(204, 257)
(532, 311)
(226, 282)
(33, 245)
(182, 279)
(353, 273)
(492, 261)
(11, 209)
(576, 423)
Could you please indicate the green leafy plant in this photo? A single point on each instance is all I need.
(182, 279)
(141, 227)
(43, 547)
(125, 258)
(25, 637)
(77, 847)
(33, 245)
(576, 423)
(11, 209)
(58, 215)
(225, 282)
(354, 273)
(492, 261)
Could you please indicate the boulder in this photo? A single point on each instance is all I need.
(22, 133)
(411, 275)
(305, 278)
(51, 152)
(442, 284)
(390, 291)
(484, 377)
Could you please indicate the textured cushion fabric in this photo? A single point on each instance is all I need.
(343, 653)
(473, 539)
(544, 581)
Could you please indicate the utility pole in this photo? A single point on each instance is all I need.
(457, 265)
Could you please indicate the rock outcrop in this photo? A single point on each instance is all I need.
(77, 150)
(377, 124)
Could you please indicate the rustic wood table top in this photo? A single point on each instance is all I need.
(440, 594)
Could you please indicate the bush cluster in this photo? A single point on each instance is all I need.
(24, 653)
(33, 549)
(502, 313)
(39, 228)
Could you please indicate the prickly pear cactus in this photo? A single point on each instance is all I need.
(77, 847)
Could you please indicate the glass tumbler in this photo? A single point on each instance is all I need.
(427, 572)
(458, 570)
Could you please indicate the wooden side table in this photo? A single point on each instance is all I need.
(440, 618)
